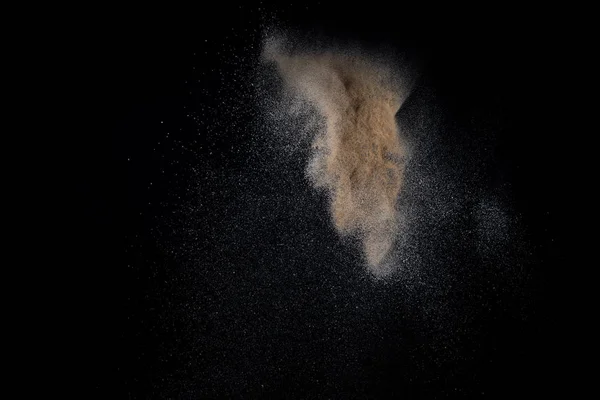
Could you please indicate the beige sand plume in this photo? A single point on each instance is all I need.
(358, 157)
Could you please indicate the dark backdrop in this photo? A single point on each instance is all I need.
(201, 277)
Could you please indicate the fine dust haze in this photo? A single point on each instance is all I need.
(358, 155)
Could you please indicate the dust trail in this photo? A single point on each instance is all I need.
(358, 156)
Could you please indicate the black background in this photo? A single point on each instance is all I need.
(149, 329)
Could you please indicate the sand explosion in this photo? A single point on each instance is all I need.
(358, 157)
